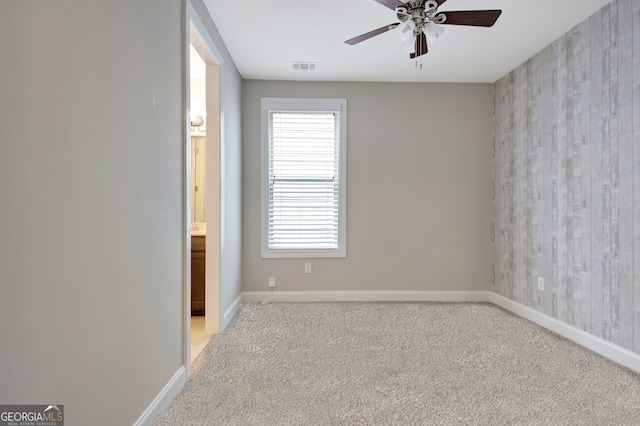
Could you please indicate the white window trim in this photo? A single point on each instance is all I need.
(303, 104)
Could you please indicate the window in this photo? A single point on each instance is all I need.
(303, 177)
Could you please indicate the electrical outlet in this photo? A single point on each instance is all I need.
(272, 282)
(541, 283)
(307, 268)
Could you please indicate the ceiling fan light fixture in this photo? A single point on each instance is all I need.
(402, 10)
(409, 46)
(406, 30)
(431, 6)
(433, 32)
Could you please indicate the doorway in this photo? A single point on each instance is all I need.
(202, 185)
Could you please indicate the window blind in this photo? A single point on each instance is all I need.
(303, 180)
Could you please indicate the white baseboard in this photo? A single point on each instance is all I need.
(231, 312)
(365, 296)
(607, 349)
(164, 398)
(177, 382)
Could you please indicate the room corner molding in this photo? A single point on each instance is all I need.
(600, 346)
(162, 401)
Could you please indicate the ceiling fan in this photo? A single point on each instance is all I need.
(420, 20)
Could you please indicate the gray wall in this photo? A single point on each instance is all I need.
(418, 190)
(91, 218)
(231, 170)
(567, 180)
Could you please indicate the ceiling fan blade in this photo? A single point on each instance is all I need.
(371, 34)
(421, 46)
(440, 2)
(475, 18)
(391, 4)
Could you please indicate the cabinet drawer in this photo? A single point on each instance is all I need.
(198, 243)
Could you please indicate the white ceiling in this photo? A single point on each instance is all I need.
(264, 37)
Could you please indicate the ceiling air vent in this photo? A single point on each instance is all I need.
(304, 66)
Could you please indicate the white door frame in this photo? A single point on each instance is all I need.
(196, 33)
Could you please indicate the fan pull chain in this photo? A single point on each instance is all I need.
(419, 66)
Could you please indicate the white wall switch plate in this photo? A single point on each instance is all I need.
(540, 283)
(272, 282)
(307, 268)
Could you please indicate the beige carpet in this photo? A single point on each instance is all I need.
(399, 364)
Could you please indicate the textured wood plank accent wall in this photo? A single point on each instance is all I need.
(567, 178)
